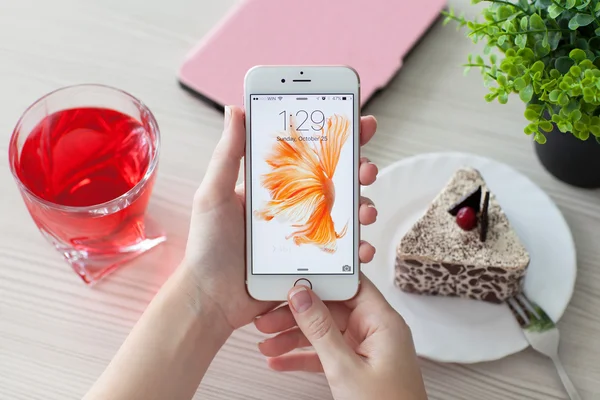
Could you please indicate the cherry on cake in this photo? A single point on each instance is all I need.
(462, 246)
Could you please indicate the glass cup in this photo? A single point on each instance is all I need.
(85, 159)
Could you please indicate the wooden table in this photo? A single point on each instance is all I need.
(57, 335)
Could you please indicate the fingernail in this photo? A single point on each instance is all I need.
(300, 299)
(227, 116)
(371, 205)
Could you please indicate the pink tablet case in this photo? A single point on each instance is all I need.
(372, 36)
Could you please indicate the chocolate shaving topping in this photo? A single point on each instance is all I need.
(484, 219)
(472, 199)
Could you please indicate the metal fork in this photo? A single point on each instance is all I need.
(542, 334)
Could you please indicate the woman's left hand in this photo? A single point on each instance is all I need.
(214, 256)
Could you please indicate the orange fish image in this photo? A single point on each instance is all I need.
(301, 187)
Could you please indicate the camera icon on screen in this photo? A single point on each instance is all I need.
(346, 268)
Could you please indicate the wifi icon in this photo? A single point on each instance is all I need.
(280, 97)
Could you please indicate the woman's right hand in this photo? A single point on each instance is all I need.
(363, 346)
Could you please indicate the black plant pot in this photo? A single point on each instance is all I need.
(571, 160)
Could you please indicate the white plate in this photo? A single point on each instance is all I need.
(460, 330)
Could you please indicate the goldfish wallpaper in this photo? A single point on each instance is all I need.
(303, 191)
(301, 185)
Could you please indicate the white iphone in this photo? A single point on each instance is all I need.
(302, 187)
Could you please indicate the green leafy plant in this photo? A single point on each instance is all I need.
(550, 58)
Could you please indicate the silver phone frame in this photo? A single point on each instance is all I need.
(267, 80)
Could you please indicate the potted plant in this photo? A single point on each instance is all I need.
(550, 56)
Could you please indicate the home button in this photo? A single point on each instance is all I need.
(304, 282)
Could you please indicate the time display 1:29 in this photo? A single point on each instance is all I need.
(316, 117)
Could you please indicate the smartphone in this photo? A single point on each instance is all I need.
(302, 187)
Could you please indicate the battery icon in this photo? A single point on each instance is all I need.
(344, 98)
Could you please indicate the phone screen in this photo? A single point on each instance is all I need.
(302, 191)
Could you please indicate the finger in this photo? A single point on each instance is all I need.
(275, 321)
(305, 361)
(316, 322)
(283, 343)
(366, 200)
(240, 191)
(282, 319)
(368, 126)
(224, 165)
(366, 252)
(367, 213)
(367, 172)
(293, 339)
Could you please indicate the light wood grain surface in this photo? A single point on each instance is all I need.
(57, 335)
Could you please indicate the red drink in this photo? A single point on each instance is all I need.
(84, 156)
(86, 175)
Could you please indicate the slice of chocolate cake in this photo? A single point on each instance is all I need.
(459, 249)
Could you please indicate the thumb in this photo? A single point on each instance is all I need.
(224, 165)
(315, 321)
